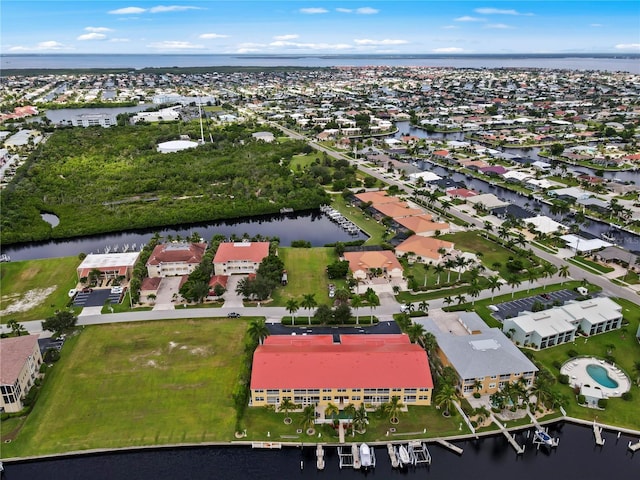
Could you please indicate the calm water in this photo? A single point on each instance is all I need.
(68, 114)
(626, 63)
(576, 457)
(310, 225)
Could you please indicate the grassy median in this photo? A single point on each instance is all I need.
(150, 383)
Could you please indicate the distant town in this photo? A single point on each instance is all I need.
(485, 279)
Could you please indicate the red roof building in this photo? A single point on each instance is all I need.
(171, 259)
(315, 370)
(239, 257)
(110, 265)
(20, 361)
(376, 197)
(363, 264)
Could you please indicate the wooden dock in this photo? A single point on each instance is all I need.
(519, 450)
(450, 446)
(271, 445)
(634, 447)
(419, 453)
(597, 433)
(319, 457)
(392, 456)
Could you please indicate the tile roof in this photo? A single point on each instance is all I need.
(250, 251)
(177, 253)
(14, 352)
(376, 259)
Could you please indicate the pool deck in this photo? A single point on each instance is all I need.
(576, 370)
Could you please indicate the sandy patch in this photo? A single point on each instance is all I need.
(199, 351)
(152, 363)
(172, 345)
(29, 300)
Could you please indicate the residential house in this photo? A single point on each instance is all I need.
(424, 249)
(423, 225)
(171, 259)
(239, 257)
(350, 369)
(20, 361)
(365, 265)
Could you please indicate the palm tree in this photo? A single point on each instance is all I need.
(636, 370)
(531, 276)
(356, 303)
(392, 409)
(548, 271)
(415, 332)
(438, 269)
(445, 398)
(541, 389)
(461, 299)
(360, 420)
(342, 295)
(308, 417)
(309, 303)
(372, 299)
(331, 410)
(258, 330)
(488, 227)
(423, 306)
(493, 284)
(563, 272)
(292, 308)
(286, 406)
(17, 329)
(430, 343)
(474, 290)
(449, 264)
(477, 386)
(448, 300)
(513, 281)
(460, 262)
(426, 267)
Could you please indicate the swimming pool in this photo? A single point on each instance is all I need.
(600, 375)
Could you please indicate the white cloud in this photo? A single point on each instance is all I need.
(467, 18)
(448, 50)
(628, 46)
(344, 10)
(119, 40)
(92, 36)
(285, 37)
(172, 8)
(208, 36)
(48, 45)
(175, 45)
(313, 11)
(127, 11)
(450, 27)
(249, 47)
(98, 29)
(366, 11)
(387, 41)
(311, 46)
(498, 11)
(499, 26)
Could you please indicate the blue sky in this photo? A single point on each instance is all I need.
(319, 27)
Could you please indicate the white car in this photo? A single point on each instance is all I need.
(116, 289)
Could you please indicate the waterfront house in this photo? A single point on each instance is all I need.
(110, 265)
(170, 259)
(20, 361)
(341, 369)
(484, 359)
(396, 210)
(423, 225)
(239, 257)
(559, 325)
(365, 265)
(424, 249)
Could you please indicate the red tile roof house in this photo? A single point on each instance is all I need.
(461, 193)
(20, 361)
(397, 209)
(171, 259)
(239, 257)
(221, 280)
(362, 264)
(376, 197)
(422, 225)
(149, 286)
(423, 249)
(315, 370)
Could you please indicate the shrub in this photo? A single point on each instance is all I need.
(476, 395)
(581, 399)
(572, 353)
(51, 355)
(563, 379)
(602, 403)
(301, 244)
(556, 364)
(627, 396)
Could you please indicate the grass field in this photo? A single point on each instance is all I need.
(303, 160)
(152, 383)
(42, 284)
(306, 272)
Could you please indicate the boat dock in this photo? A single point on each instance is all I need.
(270, 445)
(634, 447)
(597, 433)
(519, 450)
(337, 217)
(349, 457)
(450, 446)
(541, 435)
(319, 457)
(392, 456)
(419, 453)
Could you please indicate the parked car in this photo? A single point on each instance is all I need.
(233, 315)
(87, 290)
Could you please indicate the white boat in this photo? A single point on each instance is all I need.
(403, 456)
(365, 456)
(544, 437)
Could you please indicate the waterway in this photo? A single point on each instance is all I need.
(490, 457)
(309, 225)
(66, 115)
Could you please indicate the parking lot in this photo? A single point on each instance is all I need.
(96, 298)
(514, 307)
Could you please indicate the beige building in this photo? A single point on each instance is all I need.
(239, 257)
(367, 264)
(172, 259)
(20, 361)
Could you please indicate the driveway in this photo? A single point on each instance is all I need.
(231, 298)
(167, 288)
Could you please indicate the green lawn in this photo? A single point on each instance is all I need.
(630, 277)
(46, 281)
(591, 265)
(135, 384)
(375, 230)
(303, 160)
(306, 272)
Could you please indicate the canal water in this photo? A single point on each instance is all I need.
(576, 457)
(66, 115)
(312, 226)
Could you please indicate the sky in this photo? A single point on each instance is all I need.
(319, 27)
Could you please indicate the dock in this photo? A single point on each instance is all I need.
(345, 457)
(355, 452)
(541, 435)
(519, 450)
(320, 457)
(392, 456)
(450, 446)
(597, 433)
(419, 453)
(634, 447)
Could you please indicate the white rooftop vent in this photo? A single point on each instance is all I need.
(482, 345)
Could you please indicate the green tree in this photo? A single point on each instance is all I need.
(61, 322)
(360, 419)
(331, 410)
(393, 408)
(493, 284)
(356, 303)
(445, 397)
(415, 332)
(258, 330)
(342, 314)
(372, 299)
(287, 406)
(308, 417)
(563, 272)
(17, 329)
(424, 307)
(309, 303)
(292, 307)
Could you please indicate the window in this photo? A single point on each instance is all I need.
(409, 390)
(492, 385)
(423, 397)
(259, 399)
(409, 399)
(273, 392)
